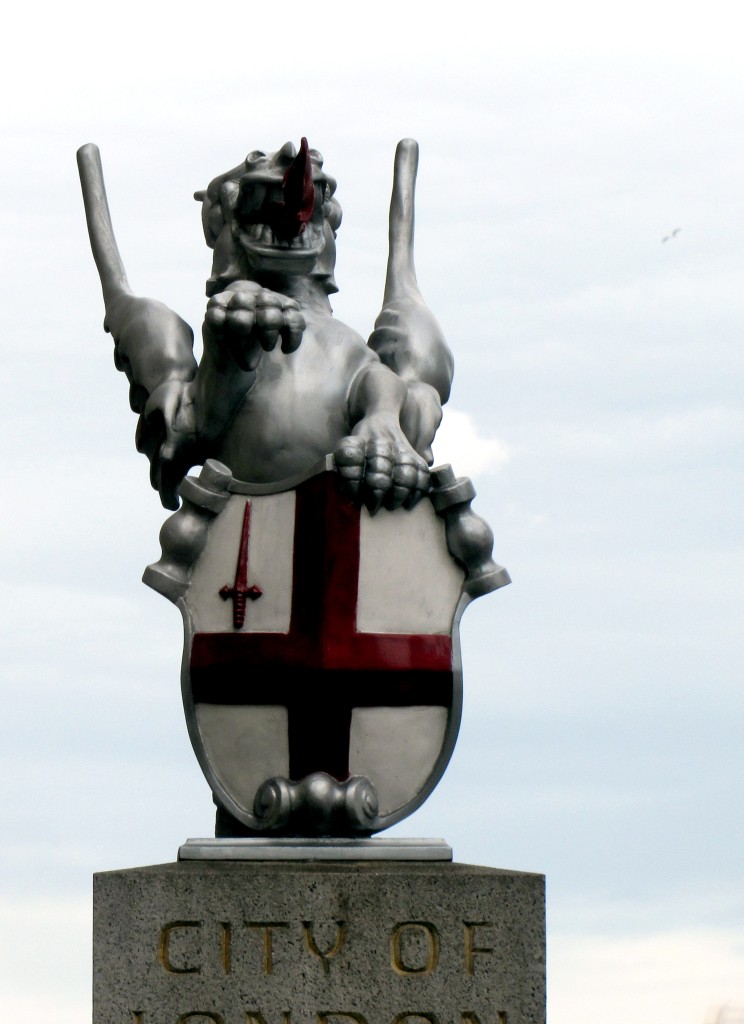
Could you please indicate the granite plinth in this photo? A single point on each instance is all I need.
(200, 942)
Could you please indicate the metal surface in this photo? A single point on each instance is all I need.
(281, 382)
(321, 672)
(373, 702)
(317, 849)
(417, 572)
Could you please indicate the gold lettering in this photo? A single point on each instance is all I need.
(256, 1017)
(328, 955)
(468, 1017)
(327, 1015)
(164, 947)
(430, 1017)
(226, 946)
(216, 1018)
(414, 928)
(470, 948)
(268, 940)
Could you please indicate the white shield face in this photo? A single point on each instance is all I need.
(323, 639)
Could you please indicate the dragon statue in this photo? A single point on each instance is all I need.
(321, 675)
(281, 382)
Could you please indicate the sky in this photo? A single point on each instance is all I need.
(597, 405)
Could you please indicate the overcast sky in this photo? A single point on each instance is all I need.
(597, 405)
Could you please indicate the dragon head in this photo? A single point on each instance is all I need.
(273, 215)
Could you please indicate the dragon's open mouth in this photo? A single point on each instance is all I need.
(279, 211)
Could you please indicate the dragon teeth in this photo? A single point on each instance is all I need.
(264, 234)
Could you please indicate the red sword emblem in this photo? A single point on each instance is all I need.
(240, 590)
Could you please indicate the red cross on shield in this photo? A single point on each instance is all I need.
(345, 659)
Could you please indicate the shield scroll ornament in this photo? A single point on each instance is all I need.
(321, 673)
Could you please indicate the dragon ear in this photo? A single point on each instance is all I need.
(211, 224)
(225, 263)
(217, 200)
(212, 213)
(332, 213)
(326, 262)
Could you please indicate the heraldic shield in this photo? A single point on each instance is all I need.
(321, 672)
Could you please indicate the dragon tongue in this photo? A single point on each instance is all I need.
(298, 193)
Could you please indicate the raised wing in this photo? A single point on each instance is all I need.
(407, 337)
(152, 345)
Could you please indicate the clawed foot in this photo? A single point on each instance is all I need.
(249, 320)
(383, 473)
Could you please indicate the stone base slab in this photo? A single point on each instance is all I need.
(231, 942)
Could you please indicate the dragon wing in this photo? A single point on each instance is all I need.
(152, 345)
(407, 337)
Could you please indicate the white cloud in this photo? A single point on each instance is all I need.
(459, 442)
(668, 978)
(726, 1014)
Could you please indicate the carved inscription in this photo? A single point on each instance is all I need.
(473, 1018)
(414, 948)
(340, 1016)
(189, 947)
(326, 956)
(226, 946)
(267, 932)
(325, 1017)
(428, 1017)
(164, 947)
(200, 1016)
(470, 947)
(414, 945)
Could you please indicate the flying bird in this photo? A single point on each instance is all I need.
(672, 235)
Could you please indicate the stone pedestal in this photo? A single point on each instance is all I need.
(318, 943)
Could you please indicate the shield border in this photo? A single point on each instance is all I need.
(454, 713)
(469, 541)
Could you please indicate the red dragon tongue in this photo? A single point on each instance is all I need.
(298, 192)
